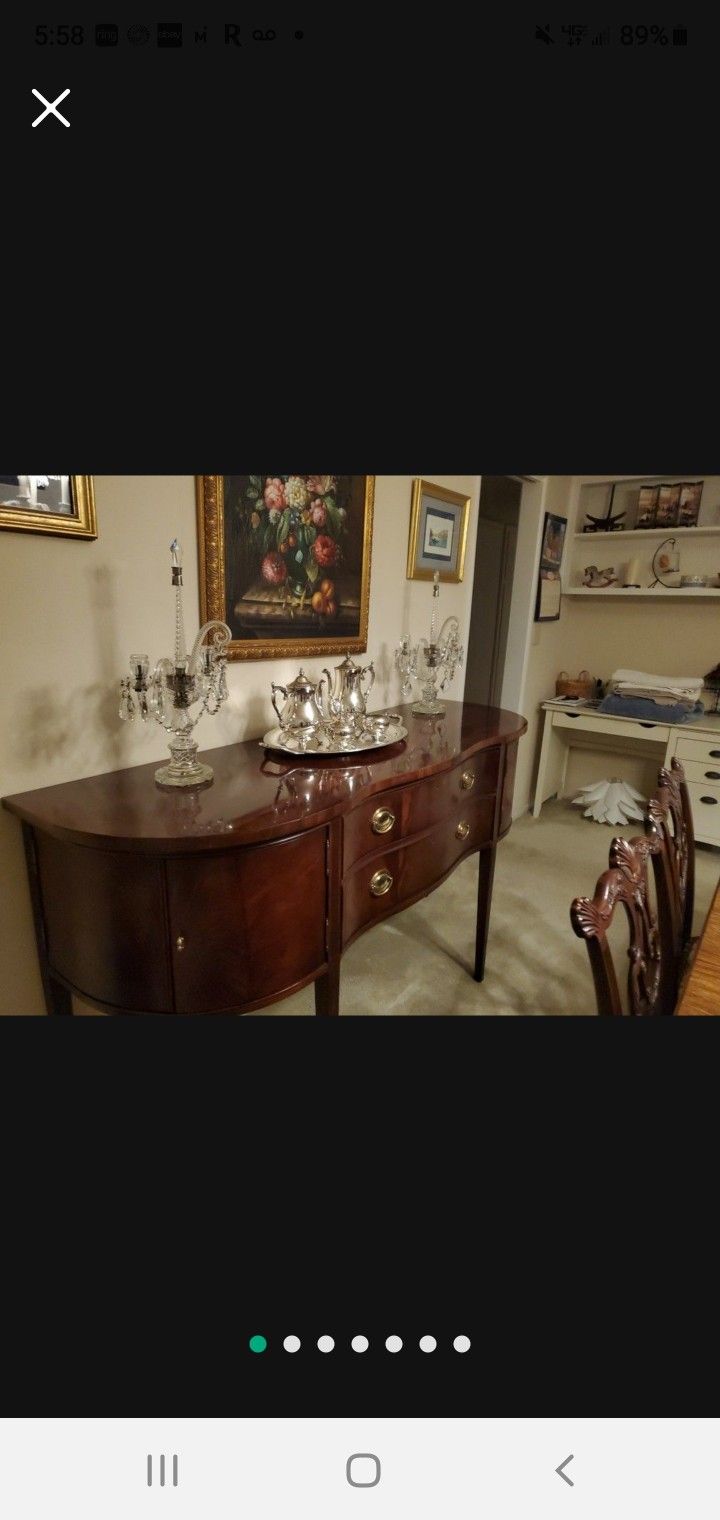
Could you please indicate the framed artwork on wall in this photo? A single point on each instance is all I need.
(285, 561)
(438, 533)
(549, 587)
(62, 504)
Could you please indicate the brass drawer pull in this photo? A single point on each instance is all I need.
(382, 821)
(180, 942)
(381, 883)
(467, 780)
(462, 831)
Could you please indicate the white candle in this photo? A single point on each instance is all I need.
(632, 573)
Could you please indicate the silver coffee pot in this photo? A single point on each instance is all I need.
(343, 703)
(301, 715)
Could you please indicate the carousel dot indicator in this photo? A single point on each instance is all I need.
(461, 1343)
(291, 1343)
(326, 1343)
(428, 1343)
(257, 1343)
(393, 1343)
(359, 1343)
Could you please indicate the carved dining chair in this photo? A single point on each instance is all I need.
(651, 971)
(669, 816)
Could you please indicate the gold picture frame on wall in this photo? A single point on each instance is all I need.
(284, 560)
(63, 504)
(438, 533)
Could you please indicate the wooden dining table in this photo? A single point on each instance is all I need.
(702, 988)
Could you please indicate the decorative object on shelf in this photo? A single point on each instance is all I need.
(176, 685)
(370, 735)
(631, 580)
(432, 663)
(63, 504)
(689, 508)
(549, 586)
(666, 564)
(285, 561)
(668, 506)
(343, 703)
(596, 579)
(582, 686)
(438, 533)
(647, 506)
(712, 682)
(610, 801)
(606, 524)
(301, 717)
(694, 580)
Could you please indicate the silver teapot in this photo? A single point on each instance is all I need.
(344, 703)
(301, 715)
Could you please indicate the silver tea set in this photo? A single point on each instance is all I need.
(330, 715)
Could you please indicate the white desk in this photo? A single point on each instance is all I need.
(696, 745)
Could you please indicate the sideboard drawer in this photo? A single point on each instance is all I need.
(246, 924)
(404, 811)
(700, 749)
(392, 878)
(702, 770)
(705, 800)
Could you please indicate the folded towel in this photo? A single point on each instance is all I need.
(665, 698)
(646, 710)
(643, 678)
(639, 683)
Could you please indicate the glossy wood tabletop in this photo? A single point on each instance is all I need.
(702, 989)
(256, 794)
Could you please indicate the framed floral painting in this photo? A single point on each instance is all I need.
(285, 561)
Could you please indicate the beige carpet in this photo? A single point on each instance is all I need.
(420, 961)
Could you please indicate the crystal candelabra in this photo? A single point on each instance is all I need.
(176, 685)
(432, 663)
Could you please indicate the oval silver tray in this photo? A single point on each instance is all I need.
(324, 743)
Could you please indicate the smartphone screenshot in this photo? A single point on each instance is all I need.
(359, 830)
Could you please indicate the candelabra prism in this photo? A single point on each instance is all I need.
(176, 685)
(431, 662)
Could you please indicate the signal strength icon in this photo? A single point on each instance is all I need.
(602, 37)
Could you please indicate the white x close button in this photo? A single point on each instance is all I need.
(50, 108)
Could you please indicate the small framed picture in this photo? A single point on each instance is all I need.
(647, 506)
(668, 506)
(438, 533)
(549, 587)
(689, 509)
(63, 504)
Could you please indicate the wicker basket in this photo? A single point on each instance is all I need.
(582, 686)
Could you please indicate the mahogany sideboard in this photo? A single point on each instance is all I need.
(225, 898)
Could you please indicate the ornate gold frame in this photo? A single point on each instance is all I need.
(82, 526)
(451, 498)
(211, 557)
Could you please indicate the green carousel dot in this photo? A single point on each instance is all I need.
(258, 1343)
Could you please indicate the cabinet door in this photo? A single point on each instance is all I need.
(246, 924)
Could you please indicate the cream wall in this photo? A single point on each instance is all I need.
(72, 611)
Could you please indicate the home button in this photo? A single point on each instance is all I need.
(362, 1470)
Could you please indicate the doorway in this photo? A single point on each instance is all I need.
(498, 519)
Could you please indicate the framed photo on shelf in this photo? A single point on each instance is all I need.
(285, 561)
(647, 506)
(438, 533)
(668, 506)
(63, 504)
(549, 586)
(689, 508)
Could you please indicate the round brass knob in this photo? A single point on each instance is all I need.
(382, 821)
(467, 780)
(180, 942)
(462, 831)
(381, 883)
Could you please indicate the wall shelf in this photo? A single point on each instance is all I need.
(649, 533)
(628, 593)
